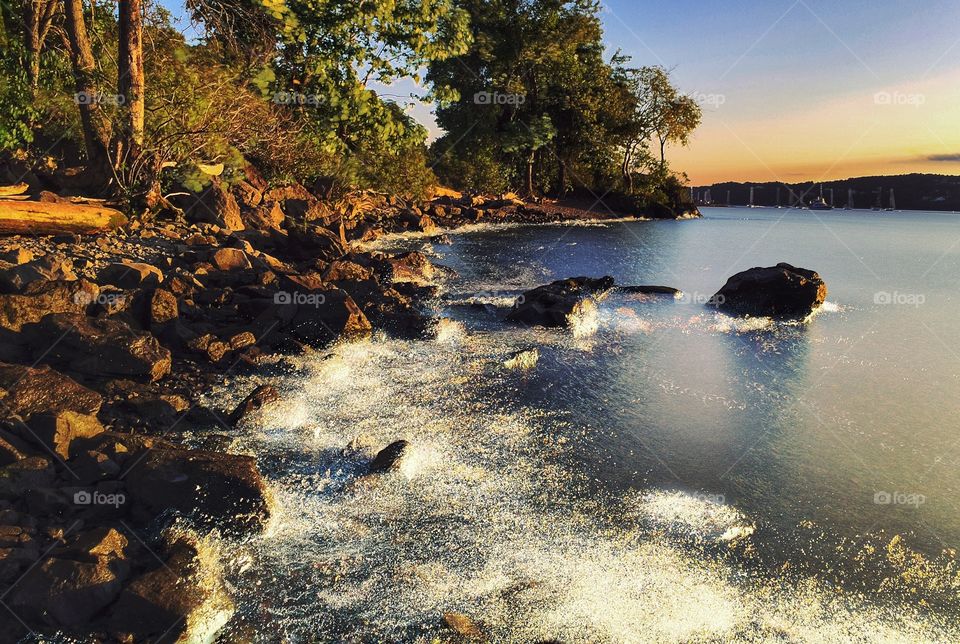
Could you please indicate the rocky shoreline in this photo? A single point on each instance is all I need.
(109, 342)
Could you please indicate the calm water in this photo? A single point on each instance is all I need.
(665, 474)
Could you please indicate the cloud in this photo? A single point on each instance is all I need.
(947, 158)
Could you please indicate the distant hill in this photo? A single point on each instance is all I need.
(913, 192)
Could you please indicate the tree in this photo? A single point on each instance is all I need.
(533, 88)
(673, 115)
(96, 125)
(131, 83)
(38, 18)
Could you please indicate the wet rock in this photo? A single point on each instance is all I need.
(389, 458)
(178, 601)
(242, 340)
(129, 275)
(30, 390)
(210, 346)
(217, 490)
(781, 291)
(344, 270)
(231, 259)
(523, 360)
(553, 305)
(42, 298)
(257, 400)
(463, 626)
(651, 290)
(100, 348)
(411, 267)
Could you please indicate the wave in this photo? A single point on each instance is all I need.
(483, 518)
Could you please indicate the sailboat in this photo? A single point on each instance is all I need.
(879, 204)
(849, 205)
(893, 202)
(819, 203)
(752, 204)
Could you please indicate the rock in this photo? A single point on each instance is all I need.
(42, 298)
(215, 205)
(26, 474)
(248, 195)
(31, 390)
(257, 400)
(344, 270)
(222, 491)
(99, 347)
(242, 341)
(210, 346)
(388, 459)
(181, 600)
(315, 242)
(162, 307)
(523, 360)
(57, 432)
(268, 215)
(651, 290)
(782, 291)
(48, 268)
(411, 267)
(463, 626)
(231, 259)
(128, 275)
(66, 593)
(553, 305)
(17, 256)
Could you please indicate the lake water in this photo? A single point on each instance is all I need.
(666, 473)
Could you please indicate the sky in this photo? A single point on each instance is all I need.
(797, 90)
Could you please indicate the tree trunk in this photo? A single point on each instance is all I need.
(131, 80)
(663, 152)
(41, 218)
(530, 161)
(96, 127)
(37, 19)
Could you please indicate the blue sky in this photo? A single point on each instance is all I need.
(789, 86)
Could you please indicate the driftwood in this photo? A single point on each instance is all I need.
(11, 191)
(39, 218)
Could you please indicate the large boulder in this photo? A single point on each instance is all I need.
(103, 348)
(25, 391)
(131, 275)
(554, 304)
(781, 291)
(42, 298)
(215, 205)
(222, 491)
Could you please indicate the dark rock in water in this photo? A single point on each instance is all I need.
(651, 290)
(388, 459)
(98, 347)
(781, 291)
(553, 304)
(257, 400)
(523, 360)
(222, 491)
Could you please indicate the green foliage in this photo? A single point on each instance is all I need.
(17, 112)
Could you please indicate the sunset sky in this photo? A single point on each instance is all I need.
(795, 90)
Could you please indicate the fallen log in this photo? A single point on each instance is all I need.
(10, 191)
(39, 218)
